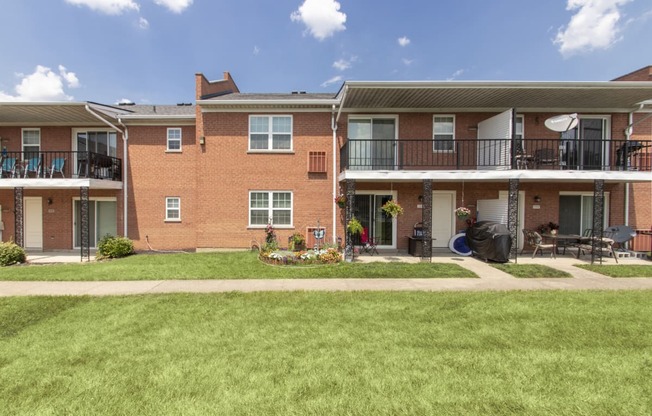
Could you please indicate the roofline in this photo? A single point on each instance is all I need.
(326, 102)
(497, 84)
(159, 116)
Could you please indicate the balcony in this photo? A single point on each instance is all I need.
(496, 154)
(58, 165)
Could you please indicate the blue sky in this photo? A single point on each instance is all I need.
(147, 51)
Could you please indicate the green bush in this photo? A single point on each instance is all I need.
(11, 253)
(114, 247)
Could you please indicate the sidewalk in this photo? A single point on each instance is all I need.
(491, 279)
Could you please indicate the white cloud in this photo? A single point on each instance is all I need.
(176, 6)
(125, 101)
(344, 64)
(593, 26)
(143, 23)
(256, 50)
(113, 7)
(331, 81)
(404, 41)
(43, 85)
(407, 62)
(321, 17)
(456, 74)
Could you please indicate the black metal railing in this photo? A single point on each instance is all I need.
(60, 164)
(497, 154)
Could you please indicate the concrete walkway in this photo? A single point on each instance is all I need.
(491, 279)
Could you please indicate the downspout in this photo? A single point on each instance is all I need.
(628, 136)
(334, 128)
(125, 135)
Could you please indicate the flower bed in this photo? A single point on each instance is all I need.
(282, 257)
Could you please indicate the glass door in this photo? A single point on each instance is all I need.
(372, 143)
(585, 146)
(368, 210)
(99, 142)
(576, 213)
(102, 220)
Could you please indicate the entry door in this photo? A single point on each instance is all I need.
(442, 218)
(368, 210)
(33, 207)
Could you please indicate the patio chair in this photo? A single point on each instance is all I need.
(603, 246)
(33, 165)
(534, 239)
(545, 157)
(57, 166)
(368, 245)
(8, 167)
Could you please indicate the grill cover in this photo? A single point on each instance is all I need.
(489, 240)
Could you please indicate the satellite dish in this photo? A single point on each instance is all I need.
(621, 233)
(562, 123)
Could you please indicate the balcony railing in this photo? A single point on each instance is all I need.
(496, 154)
(45, 164)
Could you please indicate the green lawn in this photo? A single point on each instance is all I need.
(344, 353)
(531, 270)
(238, 265)
(619, 270)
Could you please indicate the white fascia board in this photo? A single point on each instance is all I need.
(497, 175)
(215, 103)
(58, 183)
(499, 84)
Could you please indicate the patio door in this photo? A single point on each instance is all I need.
(372, 144)
(103, 142)
(576, 212)
(367, 209)
(585, 147)
(102, 219)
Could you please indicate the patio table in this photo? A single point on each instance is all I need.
(555, 238)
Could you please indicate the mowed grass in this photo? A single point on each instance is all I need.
(353, 353)
(531, 270)
(619, 270)
(237, 265)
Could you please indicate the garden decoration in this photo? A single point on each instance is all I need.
(462, 213)
(340, 200)
(392, 208)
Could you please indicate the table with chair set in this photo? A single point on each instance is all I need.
(585, 244)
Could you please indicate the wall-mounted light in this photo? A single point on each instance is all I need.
(202, 140)
(537, 199)
(49, 200)
(420, 198)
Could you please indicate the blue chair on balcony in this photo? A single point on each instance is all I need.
(57, 166)
(8, 167)
(33, 165)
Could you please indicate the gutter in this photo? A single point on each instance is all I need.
(334, 128)
(125, 136)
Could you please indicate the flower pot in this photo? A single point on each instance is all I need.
(341, 204)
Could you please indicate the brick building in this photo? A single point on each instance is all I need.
(213, 173)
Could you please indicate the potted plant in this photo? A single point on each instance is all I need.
(340, 200)
(354, 226)
(297, 242)
(392, 208)
(462, 213)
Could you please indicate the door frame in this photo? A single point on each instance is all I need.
(453, 193)
(394, 195)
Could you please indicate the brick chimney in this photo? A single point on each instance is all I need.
(643, 74)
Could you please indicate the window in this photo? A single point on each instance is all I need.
(443, 133)
(270, 133)
(31, 142)
(173, 209)
(270, 206)
(174, 140)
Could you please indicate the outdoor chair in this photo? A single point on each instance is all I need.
(33, 165)
(534, 239)
(545, 157)
(367, 244)
(8, 167)
(603, 246)
(57, 166)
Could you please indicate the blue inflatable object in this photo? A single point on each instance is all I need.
(457, 245)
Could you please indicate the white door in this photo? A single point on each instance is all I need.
(33, 207)
(442, 217)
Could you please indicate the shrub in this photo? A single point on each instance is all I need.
(11, 253)
(114, 247)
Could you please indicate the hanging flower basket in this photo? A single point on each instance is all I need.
(392, 208)
(354, 226)
(462, 213)
(340, 200)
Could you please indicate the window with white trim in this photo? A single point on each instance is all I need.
(31, 142)
(174, 139)
(270, 206)
(443, 133)
(173, 208)
(270, 132)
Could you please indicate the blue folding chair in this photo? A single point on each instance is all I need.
(57, 166)
(8, 167)
(33, 165)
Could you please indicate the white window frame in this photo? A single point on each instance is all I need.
(270, 209)
(22, 139)
(434, 133)
(270, 133)
(168, 209)
(175, 139)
